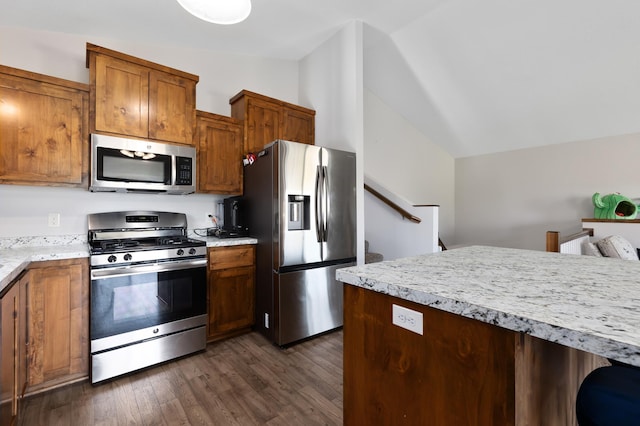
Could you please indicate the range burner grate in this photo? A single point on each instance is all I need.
(118, 244)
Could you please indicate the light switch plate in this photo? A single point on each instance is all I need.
(407, 318)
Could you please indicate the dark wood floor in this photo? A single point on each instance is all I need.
(242, 381)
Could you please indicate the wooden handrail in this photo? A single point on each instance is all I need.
(405, 214)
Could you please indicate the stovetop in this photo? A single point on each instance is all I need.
(131, 237)
(127, 252)
(143, 244)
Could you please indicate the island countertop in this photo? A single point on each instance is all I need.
(583, 302)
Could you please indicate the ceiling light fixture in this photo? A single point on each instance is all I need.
(225, 12)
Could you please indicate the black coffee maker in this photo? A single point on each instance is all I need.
(234, 218)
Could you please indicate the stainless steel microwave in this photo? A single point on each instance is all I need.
(132, 165)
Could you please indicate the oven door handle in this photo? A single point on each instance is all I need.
(122, 271)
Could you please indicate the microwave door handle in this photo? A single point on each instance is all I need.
(318, 190)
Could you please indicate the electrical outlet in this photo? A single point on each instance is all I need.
(407, 318)
(211, 220)
(54, 220)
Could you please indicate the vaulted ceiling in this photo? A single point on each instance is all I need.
(475, 77)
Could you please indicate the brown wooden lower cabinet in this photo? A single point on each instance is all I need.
(13, 377)
(45, 331)
(459, 372)
(231, 276)
(58, 323)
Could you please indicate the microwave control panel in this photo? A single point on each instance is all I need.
(184, 171)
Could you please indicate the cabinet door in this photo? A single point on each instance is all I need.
(9, 331)
(172, 101)
(219, 156)
(42, 132)
(58, 323)
(121, 97)
(262, 125)
(231, 299)
(298, 126)
(12, 352)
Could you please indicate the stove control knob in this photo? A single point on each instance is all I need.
(127, 257)
(180, 252)
(111, 259)
(192, 251)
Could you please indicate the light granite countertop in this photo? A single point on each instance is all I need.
(584, 302)
(17, 253)
(225, 242)
(15, 260)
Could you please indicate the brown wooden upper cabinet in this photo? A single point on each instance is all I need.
(43, 129)
(267, 119)
(219, 152)
(134, 97)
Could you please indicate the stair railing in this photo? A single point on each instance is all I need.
(405, 214)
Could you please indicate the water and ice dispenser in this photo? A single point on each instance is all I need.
(299, 212)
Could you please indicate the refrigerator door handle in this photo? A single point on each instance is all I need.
(325, 203)
(319, 228)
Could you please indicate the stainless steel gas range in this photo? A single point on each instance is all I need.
(148, 291)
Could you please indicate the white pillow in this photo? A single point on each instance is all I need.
(617, 246)
(590, 249)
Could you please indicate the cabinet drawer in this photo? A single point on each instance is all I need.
(231, 257)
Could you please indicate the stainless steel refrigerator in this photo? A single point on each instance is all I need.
(300, 204)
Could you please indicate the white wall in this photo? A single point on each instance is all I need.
(331, 83)
(405, 162)
(389, 234)
(221, 75)
(24, 210)
(511, 199)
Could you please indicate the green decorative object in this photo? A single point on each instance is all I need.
(613, 206)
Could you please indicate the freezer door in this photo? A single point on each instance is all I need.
(339, 204)
(309, 303)
(298, 166)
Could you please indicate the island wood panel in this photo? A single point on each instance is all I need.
(460, 372)
(548, 377)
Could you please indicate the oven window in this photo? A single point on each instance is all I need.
(128, 303)
(127, 166)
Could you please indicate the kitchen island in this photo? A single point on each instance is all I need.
(507, 335)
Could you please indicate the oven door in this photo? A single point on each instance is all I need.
(135, 303)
